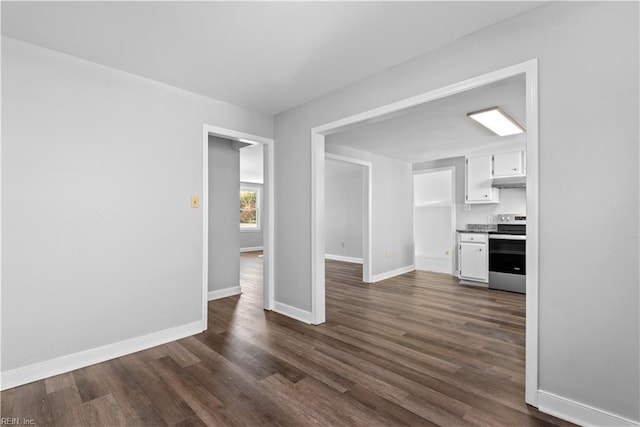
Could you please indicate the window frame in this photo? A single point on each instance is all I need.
(258, 191)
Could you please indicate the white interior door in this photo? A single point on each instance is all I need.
(433, 220)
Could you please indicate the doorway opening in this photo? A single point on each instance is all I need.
(237, 140)
(251, 219)
(527, 70)
(348, 211)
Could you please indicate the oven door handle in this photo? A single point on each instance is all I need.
(507, 237)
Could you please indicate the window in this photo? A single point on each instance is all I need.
(249, 209)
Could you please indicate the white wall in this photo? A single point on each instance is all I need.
(99, 240)
(392, 210)
(344, 209)
(253, 238)
(224, 218)
(588, 84)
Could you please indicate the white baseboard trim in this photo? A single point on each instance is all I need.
(71, 362)
(223, 293)
(579, 413)
(392, 273)
(293, 312)
(343, 258)
(251, 249)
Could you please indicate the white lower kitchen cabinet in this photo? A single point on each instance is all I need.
(473, 258)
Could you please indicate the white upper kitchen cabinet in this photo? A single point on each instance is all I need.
(508, 164)
(478, 181)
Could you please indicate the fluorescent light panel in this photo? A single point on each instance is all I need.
(497, 121)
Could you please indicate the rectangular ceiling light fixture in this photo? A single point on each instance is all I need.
(497, 121)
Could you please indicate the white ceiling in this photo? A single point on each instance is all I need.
(266, 56)
(441, 128)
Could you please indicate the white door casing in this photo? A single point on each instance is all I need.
(268, 218)
(530, 70)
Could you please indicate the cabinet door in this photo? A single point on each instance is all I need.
(508, 164)
(473, 261)
(478, 179)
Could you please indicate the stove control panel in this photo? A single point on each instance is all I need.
(510, 219)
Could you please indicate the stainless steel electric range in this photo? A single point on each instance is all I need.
(507, 253)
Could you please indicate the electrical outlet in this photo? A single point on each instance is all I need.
(387, 253)
(195, 201)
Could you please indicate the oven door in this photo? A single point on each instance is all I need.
(507, 253)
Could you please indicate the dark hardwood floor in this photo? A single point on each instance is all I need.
(416, 350)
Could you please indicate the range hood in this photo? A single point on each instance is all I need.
(510, 182)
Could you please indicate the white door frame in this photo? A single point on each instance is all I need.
(268, 217)
(530, 70)
(453, 212)
(367, 254)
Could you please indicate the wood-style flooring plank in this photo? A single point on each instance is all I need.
(415, 350)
